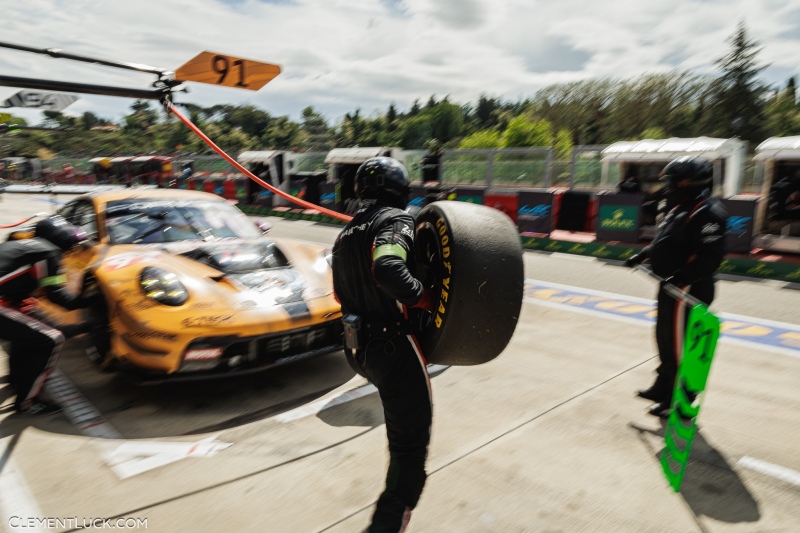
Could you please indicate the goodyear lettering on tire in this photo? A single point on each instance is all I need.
(447, 271)
(473, 326)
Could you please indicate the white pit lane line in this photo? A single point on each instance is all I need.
(17, 503)
(793, 329)
(341, 398)
(125, 458)
(771, 469)
(130, 458)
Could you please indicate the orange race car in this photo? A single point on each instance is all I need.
(187, 286)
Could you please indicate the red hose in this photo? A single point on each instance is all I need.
(302, 203)
(15, 224)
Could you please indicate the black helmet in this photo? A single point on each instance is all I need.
(383, 178)
(698, 170)
(60, 232)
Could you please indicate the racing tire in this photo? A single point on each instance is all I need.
(97, 317)
(470, 256)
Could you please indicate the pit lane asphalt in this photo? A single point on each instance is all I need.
(548, 437)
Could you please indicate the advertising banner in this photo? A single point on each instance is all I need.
(467, 193)
(242, 190)
(739, 232)
(535, 211)
(619, 218)
(504, 200)
(327, 195)
(37, 100)
(417, 196)
(296, 187)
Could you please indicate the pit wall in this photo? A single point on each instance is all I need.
(770, 267)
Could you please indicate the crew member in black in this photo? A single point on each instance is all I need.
(688, 248)
(375, 286)
(26, 266)
(431, 162)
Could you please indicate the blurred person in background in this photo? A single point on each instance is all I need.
(687, 250)
(431, 162)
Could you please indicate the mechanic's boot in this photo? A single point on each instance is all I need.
(391, 515)
(658, 392)
(660, 409)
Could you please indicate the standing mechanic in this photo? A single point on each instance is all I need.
(372, 281)
(25, 266)
(687, 249)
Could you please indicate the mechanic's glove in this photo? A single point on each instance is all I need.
(635, 259)
(426, 301)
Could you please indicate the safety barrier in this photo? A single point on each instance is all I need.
(740, 266)
(236, 189)
(537, 211)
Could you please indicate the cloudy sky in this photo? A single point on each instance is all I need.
(342, 55)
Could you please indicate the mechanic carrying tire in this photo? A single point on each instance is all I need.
(25, 267)
(688, 248)
(387, 311)
(373, 283)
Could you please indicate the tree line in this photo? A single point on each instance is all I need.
(734, 101)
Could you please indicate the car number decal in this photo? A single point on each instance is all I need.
(125, 260)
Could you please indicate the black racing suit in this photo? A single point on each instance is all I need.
(430, 168)
(372, 280)
(25, 266)
(688, 247)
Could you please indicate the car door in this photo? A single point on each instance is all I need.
(81, 214)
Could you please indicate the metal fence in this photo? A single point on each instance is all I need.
(310, 162)
(498, 168)
(525, 167)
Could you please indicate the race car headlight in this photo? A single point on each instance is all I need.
(323, 263)
(163, 286)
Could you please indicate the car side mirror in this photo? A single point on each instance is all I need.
(263, 226)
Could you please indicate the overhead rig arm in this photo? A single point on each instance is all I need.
(57, 53)
(85, 88)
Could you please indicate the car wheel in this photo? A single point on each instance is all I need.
(96, 315)
(471, 257)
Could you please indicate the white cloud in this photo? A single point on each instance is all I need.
(340, 55)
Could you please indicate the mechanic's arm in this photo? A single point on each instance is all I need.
(393, 247)
(53, 280)
(710, 250)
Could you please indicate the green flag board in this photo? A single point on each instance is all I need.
(702, 332)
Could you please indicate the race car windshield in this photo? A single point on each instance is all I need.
(143, 221)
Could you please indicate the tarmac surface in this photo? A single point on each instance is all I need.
(547, 437)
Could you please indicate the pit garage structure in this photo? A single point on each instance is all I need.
(778, 217)
(343, 164)
(631, 216)
(274, 167)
